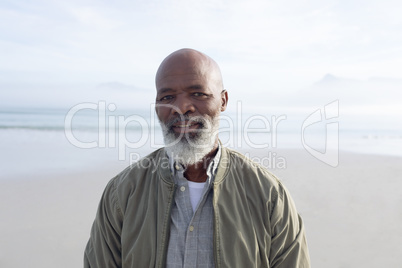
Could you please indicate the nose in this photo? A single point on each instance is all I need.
(183, 105)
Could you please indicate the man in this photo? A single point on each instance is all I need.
(195, 203)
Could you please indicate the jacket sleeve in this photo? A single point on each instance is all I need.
(288, 244)
(104, 245)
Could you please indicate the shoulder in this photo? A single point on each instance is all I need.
(140, 169)
(136, 179)
(137, 174)
(253, 176)
(244, 165)
(257, 180)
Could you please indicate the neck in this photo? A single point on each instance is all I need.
(198, 171)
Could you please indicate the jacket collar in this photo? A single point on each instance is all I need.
(162, 160)
(223, 166)
(165, 172)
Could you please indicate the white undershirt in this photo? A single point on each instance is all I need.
(196, 189)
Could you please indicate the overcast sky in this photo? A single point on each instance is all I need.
(260, 45)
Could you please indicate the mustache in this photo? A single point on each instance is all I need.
(192, 119)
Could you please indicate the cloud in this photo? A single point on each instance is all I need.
(260, 45)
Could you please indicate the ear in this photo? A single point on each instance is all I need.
(224, 98)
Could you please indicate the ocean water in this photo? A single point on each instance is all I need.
(35, 141)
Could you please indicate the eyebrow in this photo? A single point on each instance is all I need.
(196, 87)
(168, 89)
(164, 90)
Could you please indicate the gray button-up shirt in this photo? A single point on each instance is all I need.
(191, 232)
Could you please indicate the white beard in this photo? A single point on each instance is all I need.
(191, 148)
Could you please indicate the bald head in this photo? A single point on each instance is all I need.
(185, 61)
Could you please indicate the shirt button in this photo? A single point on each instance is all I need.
(182, 188)
(177, 167)
(191, 228)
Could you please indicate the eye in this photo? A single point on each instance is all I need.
(166, 98)
(199, 94)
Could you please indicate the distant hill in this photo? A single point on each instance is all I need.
(330, 80)
(373, 91)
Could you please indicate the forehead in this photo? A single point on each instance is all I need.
(182, 76)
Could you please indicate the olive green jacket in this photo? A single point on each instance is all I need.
(255, 220)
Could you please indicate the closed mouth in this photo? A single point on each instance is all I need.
(186, 126)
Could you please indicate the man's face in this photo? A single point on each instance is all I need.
(189, 100)
(186, 91)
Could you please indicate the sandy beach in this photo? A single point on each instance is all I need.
(352, 212)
